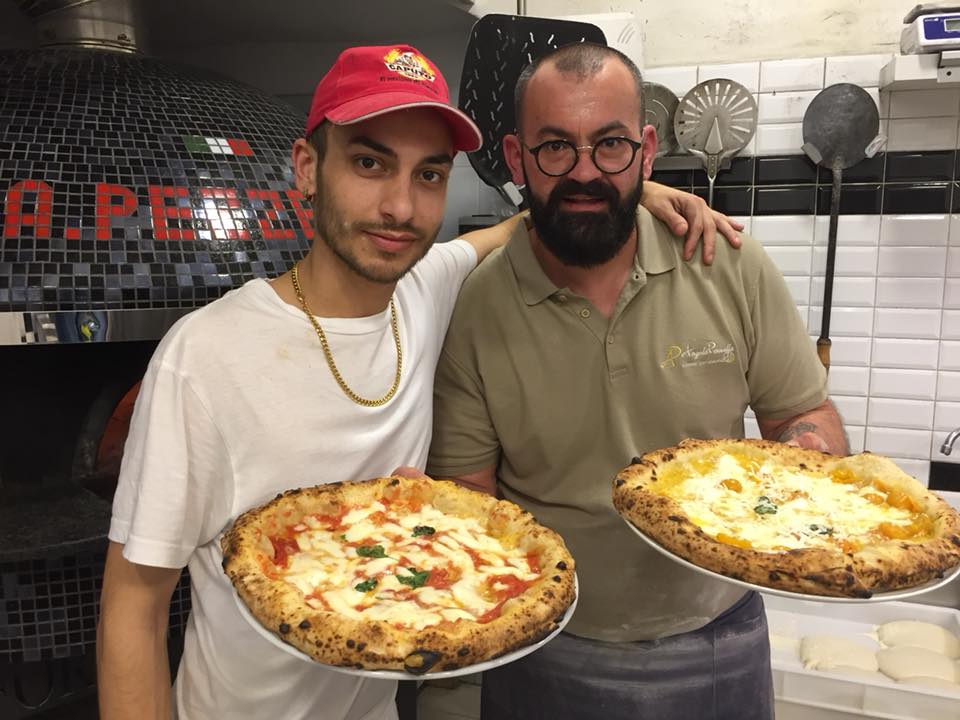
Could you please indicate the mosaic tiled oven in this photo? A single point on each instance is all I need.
(131, 192)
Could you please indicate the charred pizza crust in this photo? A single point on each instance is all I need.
(335, 639)
(882, 566)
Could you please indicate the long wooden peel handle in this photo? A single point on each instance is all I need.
(823, 352)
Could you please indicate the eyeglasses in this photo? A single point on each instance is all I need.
(611, 155)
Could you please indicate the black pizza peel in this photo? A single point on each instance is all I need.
(500, 47)
(840, 128)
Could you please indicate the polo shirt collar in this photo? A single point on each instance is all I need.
(535, 286)
(657, 253)
(657, 249)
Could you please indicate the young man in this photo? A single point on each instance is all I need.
(324, 374)
(586, 342)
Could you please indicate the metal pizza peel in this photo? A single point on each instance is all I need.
(661, 105)
(715, 120)
(840, 128)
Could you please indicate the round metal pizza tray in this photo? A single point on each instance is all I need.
(399, 674)
(876, 597)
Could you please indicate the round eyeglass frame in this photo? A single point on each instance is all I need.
(535, 151)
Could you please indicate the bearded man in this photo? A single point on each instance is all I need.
(587, 341)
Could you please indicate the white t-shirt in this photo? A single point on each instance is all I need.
(237, 405)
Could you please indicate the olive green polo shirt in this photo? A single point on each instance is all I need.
(533, 379)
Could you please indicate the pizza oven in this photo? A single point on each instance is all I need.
(132, 191)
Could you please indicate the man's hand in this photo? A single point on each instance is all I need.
(408, 472)
(804, 435)
(818, 429)
(688, 215)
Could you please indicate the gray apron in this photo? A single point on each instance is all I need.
(719, 672)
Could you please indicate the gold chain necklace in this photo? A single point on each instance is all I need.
(294, 275)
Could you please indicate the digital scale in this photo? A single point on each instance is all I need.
(931, 28)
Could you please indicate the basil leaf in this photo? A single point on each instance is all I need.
(371, 551)
(366, 585)
(423, 530)
(415, 579)
(822, 529)
(765, 506)
(344, 537)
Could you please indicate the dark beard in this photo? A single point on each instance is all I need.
(330, 225)
(584, 239)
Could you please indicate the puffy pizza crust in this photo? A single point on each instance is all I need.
(335, 639)
(879, 567)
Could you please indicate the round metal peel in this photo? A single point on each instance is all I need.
(715, 120)
(661, 104)
(840, 128)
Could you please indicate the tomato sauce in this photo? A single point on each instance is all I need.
(332, 522)
(478, 562)
(514, 586)
(283, 548)
(442, 578)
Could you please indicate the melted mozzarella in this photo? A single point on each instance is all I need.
(806, 503)
(329, 565)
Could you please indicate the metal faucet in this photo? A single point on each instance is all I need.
(948, 443)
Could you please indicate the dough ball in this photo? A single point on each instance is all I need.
(827, 652)
(905, 662)
(919, 634)
(935, 683)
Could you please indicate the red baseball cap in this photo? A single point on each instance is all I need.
(366, 82)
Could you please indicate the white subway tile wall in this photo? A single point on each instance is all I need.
(747, 74)
(784, 139)
(863, 70)
(786, 75)
(854, 229)
(679, 79)
(921, 133)
(895, 372)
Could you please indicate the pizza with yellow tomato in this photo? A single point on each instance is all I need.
(790, 518)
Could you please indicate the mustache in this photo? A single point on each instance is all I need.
(593, 189)
(390, 227)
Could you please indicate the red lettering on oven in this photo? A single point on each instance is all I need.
(178, 209)
(268, 207)
(17, 206)
(107, 207)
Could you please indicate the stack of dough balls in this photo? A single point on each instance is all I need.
(920, 653)
(911, 652)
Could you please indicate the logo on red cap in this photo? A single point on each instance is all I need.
(409, 64)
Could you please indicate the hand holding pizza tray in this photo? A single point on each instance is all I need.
(790, 521)
(398, 577)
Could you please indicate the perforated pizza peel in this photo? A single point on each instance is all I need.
(715, 120)
(500, 47)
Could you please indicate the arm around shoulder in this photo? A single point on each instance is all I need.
(133, 674)
(488, 239)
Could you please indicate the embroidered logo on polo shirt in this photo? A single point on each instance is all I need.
(696, 353)
(410, 65)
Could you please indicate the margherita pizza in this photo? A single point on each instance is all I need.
(789, 518)
(399, 573)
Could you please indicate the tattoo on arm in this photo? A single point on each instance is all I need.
(798, 429)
